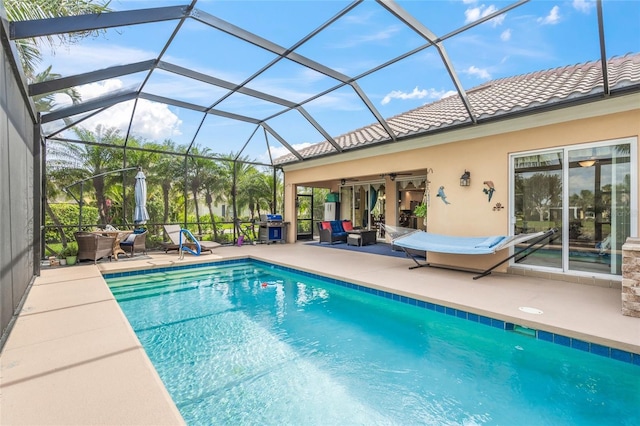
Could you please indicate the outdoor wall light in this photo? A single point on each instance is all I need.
(465, 179)
(343, 181)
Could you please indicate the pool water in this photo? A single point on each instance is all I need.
(249, 343)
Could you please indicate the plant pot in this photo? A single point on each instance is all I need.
(63, 262)
(71, 260)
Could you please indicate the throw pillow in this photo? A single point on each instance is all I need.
(347, 225)
(325, 225)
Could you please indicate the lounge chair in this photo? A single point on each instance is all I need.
(135, 241)
(93, 246)
(429, 242)
(174, 231)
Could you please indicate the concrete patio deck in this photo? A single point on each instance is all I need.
(72, 357)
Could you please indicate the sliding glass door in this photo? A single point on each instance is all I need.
(600, 193)
(588, 194)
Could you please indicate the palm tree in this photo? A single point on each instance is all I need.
(164, 170)
(215, 181)
(45, 103)
(91, 161)
(27, 10)
(254, 190)
(274, 181)
(196, 177)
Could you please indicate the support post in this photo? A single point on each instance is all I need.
(631, 277)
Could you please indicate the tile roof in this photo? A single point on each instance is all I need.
(495, 98)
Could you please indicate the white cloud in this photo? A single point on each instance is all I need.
(78, 58)
(354, 18)
(279, 151)
(471, 14)
(552, 18)
(583, 6)
(478, 72)
(474, 13)
(152, 120)
(93, 90)
(506, 35)
(415, 94)
(382, 35)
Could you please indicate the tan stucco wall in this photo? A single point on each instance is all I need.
(486, 157)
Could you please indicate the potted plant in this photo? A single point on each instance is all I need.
(420, 210)
(70, 253)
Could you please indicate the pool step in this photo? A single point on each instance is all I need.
(154, 284)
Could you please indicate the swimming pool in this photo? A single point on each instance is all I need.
(250, 343)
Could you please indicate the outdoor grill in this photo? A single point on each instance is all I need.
(272, 228)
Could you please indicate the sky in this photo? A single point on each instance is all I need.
(537, 35)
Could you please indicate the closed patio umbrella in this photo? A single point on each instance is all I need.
(140, 214)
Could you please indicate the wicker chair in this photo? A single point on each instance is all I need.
(334, 233)
(93, 246)
(135, 241)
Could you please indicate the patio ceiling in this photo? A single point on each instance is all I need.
(263, 90)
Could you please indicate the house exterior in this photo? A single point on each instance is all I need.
(551, 149)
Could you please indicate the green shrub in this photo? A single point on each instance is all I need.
(70, 250)
(68, 215)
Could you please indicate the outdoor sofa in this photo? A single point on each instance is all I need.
(333, 231)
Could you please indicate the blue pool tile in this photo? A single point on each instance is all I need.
(561, 340)
(600, 350)
(461, 314)
(450, 311)
(430, 306)
(635, 359)
(545, 335)
(485, 320)
(472, 317)
(620, 355)
(440, 308)
(580, 345)
(509, 326)
(497, 323)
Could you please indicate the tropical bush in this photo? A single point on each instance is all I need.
(68, 215)
(70, 250)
